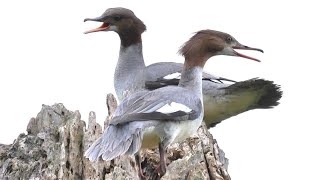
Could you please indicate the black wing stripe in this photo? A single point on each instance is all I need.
(175, 116)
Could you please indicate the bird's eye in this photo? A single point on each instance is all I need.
(229, 39)
(117, 18)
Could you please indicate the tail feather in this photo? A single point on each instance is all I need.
(268, 94)
(271, 96)
(93, 153)
(239, 97)
(136, 143)
(115, 141)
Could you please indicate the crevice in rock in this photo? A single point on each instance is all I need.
(67, 164)
(104, 172)
(57, 137)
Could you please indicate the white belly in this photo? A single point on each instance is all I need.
(173, 131)
(185, 129)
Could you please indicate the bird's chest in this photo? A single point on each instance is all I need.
(126, 85)
(151, 138)
(170, 131)
(185, 129)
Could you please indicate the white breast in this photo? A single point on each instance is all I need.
(186, 129)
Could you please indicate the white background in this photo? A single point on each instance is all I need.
(45, 58)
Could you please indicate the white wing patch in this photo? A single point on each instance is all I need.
(176, 75)
(173, 107)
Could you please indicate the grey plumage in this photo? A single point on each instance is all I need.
(149, 101)
(138, 112)
(157, 71)
(265, 94)
(116, 140)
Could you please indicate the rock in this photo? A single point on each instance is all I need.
(57, 139)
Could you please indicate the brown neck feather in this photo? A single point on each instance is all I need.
(129, 38)
(199, 61)
(130, 32)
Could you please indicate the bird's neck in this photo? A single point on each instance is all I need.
(131, 57)
(130, 68)
(130, 37)
(191, 78)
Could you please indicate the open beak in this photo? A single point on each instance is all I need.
(103, 27)
(242, 47)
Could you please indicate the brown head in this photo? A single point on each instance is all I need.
(207, 43)
(122, 21)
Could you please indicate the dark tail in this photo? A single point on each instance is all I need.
(223, 103)
(269, 93)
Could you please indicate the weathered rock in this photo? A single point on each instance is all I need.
(57, 139)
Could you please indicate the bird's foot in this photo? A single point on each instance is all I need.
(159, 172)
(141, 175)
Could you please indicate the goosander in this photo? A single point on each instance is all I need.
(147, 119)
(221, 101)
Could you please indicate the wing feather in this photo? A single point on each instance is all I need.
(153, 105)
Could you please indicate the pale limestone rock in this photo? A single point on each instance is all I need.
(57, 139)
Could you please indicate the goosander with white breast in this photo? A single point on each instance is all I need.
(146, 119)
